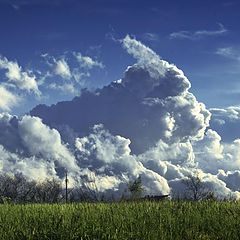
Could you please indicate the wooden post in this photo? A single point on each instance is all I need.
(66, 186)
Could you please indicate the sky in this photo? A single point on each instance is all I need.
(116, 89)
(200, 37)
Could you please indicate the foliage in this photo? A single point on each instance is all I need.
(136, 189)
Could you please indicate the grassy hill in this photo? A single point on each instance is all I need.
(127, 220)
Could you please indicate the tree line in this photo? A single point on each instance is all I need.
(18, 189)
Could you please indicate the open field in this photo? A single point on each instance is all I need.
(134, 220)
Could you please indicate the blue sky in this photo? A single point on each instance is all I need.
(148, 123)
(200, 37)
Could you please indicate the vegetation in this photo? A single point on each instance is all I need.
(36, 210)
(17, 189)
(196, 189)
(135, 188)
(124, 220)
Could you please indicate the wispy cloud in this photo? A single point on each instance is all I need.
(199, 34)
(67, 88)
(151, 37)
(229, 52)
(87, 62)
(230, 4)
(17, 4)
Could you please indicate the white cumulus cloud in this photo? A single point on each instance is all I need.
(24, 80)
(87, 62)
(7, 99)
(146, 124)
(62, 69)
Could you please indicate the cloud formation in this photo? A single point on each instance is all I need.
(17, 4)
(66, 74)
(31, 147)
(146, 124)
(151, 37)
(226, 122)
(62, 69)
(7, 99)
(64, 88)
(73, 68)
(157, 99)
(229, 52)
(24, 80)
(87, 62)
(197, 35)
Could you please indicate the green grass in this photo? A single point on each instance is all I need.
(132, 220)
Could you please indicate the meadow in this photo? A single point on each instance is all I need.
(126, 220)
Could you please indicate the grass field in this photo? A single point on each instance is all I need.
(138, 221)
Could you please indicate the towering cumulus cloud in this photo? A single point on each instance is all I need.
(146, 124)
(30, 147)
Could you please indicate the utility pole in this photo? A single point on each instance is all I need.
(66, 186)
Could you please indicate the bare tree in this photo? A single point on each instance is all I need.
(16, 189)
(87, 191)
(49, 191)
(196, 190)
